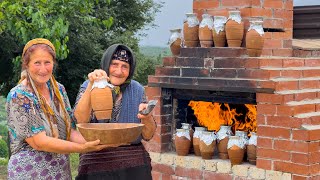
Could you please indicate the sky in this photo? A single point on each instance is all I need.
(172, 15)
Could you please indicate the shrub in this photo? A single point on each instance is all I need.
(3, 162)
(4, 152)
(3, 131)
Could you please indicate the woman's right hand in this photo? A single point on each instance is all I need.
(95, 146)
(92, 146)
(97, 74)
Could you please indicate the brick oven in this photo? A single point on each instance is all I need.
(286, 90)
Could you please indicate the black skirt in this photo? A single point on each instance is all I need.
(120, 163)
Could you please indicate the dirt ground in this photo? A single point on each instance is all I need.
(3, 172)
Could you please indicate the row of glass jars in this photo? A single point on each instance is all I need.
(204, 143)
(218, 32)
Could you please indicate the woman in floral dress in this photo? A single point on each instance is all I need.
(40, 126)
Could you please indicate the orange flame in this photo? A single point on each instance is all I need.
(212, 116)
(251, 118)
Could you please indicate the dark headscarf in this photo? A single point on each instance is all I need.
(108, 57)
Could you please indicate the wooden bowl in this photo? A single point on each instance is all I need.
(110, 133)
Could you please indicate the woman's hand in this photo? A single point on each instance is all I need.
(97, 74)
(95, 146)
(92, 146)
(148, 121)
(42, 142)
(142, 107)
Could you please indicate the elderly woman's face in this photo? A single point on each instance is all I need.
(118, 72)
(40, 66)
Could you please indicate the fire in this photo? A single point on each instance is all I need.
(251, 118)
(212, 116)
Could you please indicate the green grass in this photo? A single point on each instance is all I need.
(3, 172)
(154, 51)
(3, 168)
(74, 162)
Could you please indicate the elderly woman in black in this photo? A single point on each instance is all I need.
(127, 161)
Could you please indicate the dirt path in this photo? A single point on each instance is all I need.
(3, 172)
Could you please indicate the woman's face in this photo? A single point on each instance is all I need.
(118, 72)
(40, 66)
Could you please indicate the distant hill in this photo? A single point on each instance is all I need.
(155, 51)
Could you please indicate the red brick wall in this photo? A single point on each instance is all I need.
(283, 143)
(277, 14)
(288, 95)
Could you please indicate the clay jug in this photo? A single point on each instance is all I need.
(207, 144)
(101, 99)
(188, 128)
(252, 148)
(235, 150)
(175, 41)
(255, 38)
(205, 31)
(234, 29)
(182, 142)
(218, 31)
(196, 140)
(191, 30)
(244, 138)
(222, 139)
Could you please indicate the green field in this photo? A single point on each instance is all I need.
(155, 51)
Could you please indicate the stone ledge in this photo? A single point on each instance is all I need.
(218, 166)
(217, 84)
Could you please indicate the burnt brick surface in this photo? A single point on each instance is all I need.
(213, 52)
(224, 73)
(167, 71)
(253, 74)
(230, 63)
(188, 81)
(190, 62)
(169, 61)
(194, 72)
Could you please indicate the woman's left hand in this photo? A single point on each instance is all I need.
(142, 107)
(148, 121)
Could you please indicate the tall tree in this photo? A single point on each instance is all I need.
(21, 21)
(80, 29)
(88, 42)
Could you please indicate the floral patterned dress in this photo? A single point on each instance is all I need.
(26, 119)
